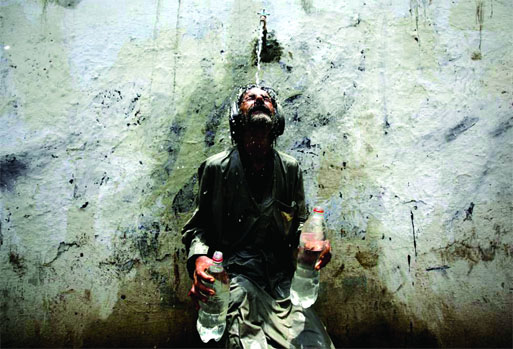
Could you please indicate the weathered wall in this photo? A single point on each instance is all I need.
(400, 113)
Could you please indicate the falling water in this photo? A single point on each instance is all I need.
(259, 51)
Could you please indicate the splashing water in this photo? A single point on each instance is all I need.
(259, 52)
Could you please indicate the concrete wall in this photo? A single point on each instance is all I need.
(400, 113)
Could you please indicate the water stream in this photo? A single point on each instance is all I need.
(259, 51)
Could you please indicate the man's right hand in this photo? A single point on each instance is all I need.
(199, 291)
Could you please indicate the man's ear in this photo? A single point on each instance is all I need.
(279, 127)
(235, 121)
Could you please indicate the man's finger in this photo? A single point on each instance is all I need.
(324, 257)
(321, 263)
(204, 289)
(205, 276)
(198, 296)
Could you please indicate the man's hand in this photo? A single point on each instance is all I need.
(324, 257)
(199, 291)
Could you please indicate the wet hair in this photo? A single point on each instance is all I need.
(237, 122)
(269, 90)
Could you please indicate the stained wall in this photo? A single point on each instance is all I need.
(400, 114)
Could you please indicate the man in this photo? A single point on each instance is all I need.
(251, 207)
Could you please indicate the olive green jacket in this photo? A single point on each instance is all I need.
(226, 212)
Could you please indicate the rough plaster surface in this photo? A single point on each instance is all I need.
(400, 113)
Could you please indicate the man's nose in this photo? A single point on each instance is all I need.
(259, 100)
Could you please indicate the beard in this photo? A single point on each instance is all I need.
(259, 117)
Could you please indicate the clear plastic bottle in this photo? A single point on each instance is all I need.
(305, 283)
(212, 314)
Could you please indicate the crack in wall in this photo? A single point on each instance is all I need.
(63, 247)
(413, 232)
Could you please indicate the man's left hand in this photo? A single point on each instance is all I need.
(324, 257)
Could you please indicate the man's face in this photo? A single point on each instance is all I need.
(257, 104)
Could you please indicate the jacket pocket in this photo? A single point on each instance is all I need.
(285, 215)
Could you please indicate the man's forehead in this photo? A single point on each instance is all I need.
(255, 90)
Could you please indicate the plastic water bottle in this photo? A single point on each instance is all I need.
(305, 283)
(212, 314)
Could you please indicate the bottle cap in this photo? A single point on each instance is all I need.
(318, 209)
(218, 256)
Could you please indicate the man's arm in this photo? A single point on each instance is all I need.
(195, 231)
(195, 238)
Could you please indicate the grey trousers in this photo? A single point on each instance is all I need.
(256, 320)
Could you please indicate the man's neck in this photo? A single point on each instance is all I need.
(257, 148)
(256, 162)
(258, 171)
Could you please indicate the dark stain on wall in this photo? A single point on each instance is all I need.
(147, 242)
(322, 120)
(307, 5)
(468, 212)
(461, 127)
(271, 49)
(304, 143)
(383, 333)
(367, 259)
(167, 291)
(152, 310)
(107, 98)
(151, 329)
(132, 105)
(484, 251)
(174, 142)
(339, 271)
(292, 99)
(352, 285)
(381, 321)
(184, 200)
(64, 3)
(11, 168)
(176, 271)
(440, 268)
(213, 121)
(18, 263)
(503, 127)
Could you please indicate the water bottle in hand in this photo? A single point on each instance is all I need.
(305, 283)
(212, 314)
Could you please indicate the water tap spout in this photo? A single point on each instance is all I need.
(263, 26)
(263, 19)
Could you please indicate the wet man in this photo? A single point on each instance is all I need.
(251, 207)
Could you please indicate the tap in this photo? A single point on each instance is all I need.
(263, 19)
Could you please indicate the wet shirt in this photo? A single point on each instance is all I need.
(257, 234)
